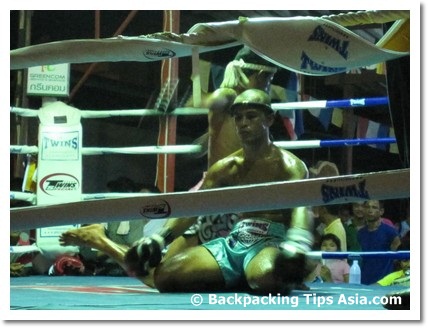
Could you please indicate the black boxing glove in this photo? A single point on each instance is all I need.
(147, 253)
(297, 242)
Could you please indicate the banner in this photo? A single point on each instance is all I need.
(306, 45)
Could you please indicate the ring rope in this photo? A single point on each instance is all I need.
(315, 255)
(399, 255)
(304, 144)
(394, 184)
(342, 103)
(24, 149)
(32, 197)
(368, 17)
(171, 149)
(312, 104)
(19, 195)
(185, 149)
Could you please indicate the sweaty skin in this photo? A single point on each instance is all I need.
(258, 161)
(223, 140)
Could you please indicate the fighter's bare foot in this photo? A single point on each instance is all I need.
(89, 236)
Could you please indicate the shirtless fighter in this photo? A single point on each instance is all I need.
(246, 71)
(261, 252)
(269, 258)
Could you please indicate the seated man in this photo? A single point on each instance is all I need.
(261, 263)
(260, 253)
(247, 71)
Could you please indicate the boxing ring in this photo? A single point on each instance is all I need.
(126, 293)
(89, 293)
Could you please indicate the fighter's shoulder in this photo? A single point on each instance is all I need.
(295, 164)
(227, 162)
(220, 171)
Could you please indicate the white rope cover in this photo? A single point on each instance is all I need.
(320, 47)
(393, 184)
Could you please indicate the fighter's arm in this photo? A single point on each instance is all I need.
(218, 104)
(300, 217)
(147, 252)
(175, 227)
(221, 99)
(221, 129)
(299, 236)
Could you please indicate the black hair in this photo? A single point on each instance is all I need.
(333, 208)
(330, 236)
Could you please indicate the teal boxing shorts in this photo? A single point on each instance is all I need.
(246, 240)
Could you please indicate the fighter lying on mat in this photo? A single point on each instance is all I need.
(260, 252)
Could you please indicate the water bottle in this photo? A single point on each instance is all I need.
(355, 273)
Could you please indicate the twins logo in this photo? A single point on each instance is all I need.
(58, 183)
(251, 231)
(160, 53)
(159, 210)
(54, 143)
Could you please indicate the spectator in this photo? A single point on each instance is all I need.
(376, 236)
(385, 220)
(345, 213)
(330, 270)
(358, 218)
(401, 276)
(328, 216)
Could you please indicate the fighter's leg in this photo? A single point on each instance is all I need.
(270, 271)
(177, 246)
(94, 236)
(194, 269)
(180, 244)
